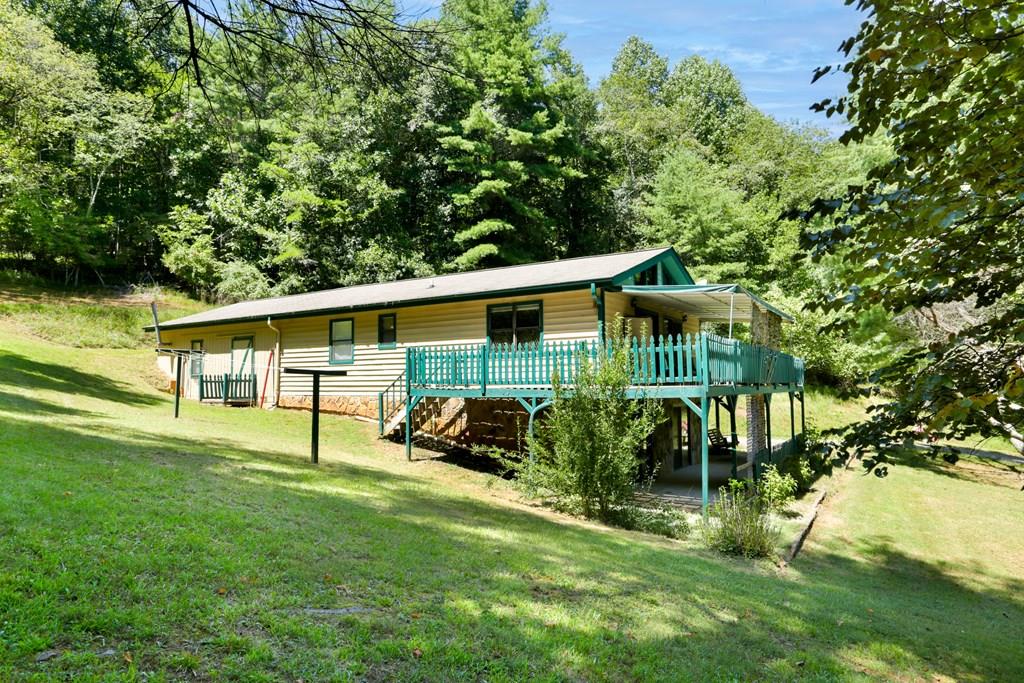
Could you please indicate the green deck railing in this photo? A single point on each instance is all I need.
(228, 388)
(702, 359)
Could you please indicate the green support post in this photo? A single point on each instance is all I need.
(484, 360)
(792, 419)
(177, 386)
(730, 406)
(408, 406)
(705, 411)
(803, 423)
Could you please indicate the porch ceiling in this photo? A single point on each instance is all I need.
(707, 302)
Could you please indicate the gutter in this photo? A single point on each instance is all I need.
(277, 363)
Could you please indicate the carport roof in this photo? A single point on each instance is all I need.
(708, 302)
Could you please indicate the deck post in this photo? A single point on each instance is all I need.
(768, 424)
(803, 423)
(730, 405)
(792, 419)
(408, 404)
(226, 384)
(314, 449)
(705, 411)
(484, 360)
(177, 385)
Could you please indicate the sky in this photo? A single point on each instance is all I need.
(771, 45)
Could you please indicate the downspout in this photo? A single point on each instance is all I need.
(277, 363)
(599, 303)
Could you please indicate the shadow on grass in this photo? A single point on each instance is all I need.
(481, 591)
(20, 372)
(976, 469)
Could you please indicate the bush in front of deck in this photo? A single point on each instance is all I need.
(585, 454)
(738, 523)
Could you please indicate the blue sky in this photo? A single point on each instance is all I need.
(771, 45)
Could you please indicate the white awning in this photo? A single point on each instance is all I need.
(718, 303)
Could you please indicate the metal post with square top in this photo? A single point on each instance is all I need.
(314, 446)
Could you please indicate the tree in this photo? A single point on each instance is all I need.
(319, 33)
(708, 99)
(586, 454)
(507, 151)
(634, 122)
(64, 134)
(943, 222)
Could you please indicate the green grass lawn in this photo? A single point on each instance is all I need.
(92, 318)
(140, 547)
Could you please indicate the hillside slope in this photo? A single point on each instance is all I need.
(208, 547)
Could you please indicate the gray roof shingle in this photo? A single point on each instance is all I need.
(469, 285)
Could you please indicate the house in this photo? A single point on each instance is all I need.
(470, 356)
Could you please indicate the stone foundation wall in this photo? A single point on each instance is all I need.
(497, 422)
(360, 406)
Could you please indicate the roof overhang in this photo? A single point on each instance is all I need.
(719, 303)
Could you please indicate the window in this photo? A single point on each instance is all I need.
(514, 323)
(343, 335)
(387, 331)
(241, 356)
(195, 358)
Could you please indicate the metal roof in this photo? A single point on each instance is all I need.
(478, 284)
(708, 302)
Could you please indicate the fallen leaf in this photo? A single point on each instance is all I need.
(127, 657)
(417, 653)
(47, 655)
(222, 591)
(328, 578)
(67, 493)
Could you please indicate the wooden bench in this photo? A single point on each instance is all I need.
(717, 442)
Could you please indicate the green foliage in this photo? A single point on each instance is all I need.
(737, 524)
(829, 356)
(694, 209)
(585, 454)
(709, 101)
(508, 147)
(776, 489)
(939, 229)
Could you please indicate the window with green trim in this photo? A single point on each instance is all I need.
(519, 323)
(195, 358)
(387, 330)
(343, 346)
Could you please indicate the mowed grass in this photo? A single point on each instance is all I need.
(134, 546)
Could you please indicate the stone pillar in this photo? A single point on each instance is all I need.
(766, 330)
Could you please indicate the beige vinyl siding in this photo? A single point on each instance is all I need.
(217, 344)
(566, 315)
(621, 304)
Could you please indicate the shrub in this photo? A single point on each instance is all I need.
(664, 520)
(738, 524)
(585, 453)
(775, 489)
